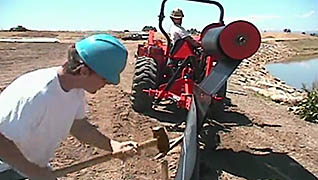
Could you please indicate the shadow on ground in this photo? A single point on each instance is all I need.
(251, 166)
(168, 114)
(263, 165)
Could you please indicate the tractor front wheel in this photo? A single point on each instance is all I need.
(144, 78)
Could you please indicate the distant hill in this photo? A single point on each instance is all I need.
(292, 35)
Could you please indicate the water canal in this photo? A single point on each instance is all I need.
(296, 73)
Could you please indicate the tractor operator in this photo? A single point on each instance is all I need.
(40, 108)
(178, 34)
(177, 31)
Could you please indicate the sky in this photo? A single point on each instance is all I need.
(133, 15)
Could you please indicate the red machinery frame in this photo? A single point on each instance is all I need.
(236, 41)
(181, 90)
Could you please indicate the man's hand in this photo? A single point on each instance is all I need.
(123, 146)
(124, 149)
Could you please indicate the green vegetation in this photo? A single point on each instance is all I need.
(308, 109)
(148, 28)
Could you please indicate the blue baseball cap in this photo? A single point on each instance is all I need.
(104, 54)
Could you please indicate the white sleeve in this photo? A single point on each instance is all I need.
(178, 32)
(81, 111)
(21, 119)
(183, 33)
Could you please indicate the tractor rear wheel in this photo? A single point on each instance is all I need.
(144, 78)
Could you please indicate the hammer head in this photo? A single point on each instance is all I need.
(162, 138)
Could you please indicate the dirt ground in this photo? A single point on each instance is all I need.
(254, 139)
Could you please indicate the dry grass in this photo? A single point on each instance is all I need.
(282, 35)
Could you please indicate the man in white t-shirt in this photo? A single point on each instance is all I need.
(177, 31)
(40, 108)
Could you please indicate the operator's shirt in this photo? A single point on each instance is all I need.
(178, 32)
(37, 114)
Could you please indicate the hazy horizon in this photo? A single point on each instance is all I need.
(119, 15)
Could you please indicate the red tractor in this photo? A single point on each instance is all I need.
(223, 48)
(196, 78)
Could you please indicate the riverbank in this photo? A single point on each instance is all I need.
(302, 46)
(304, 49)
(252, 74)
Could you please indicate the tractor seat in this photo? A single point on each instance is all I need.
(176, 46)
(181, 50)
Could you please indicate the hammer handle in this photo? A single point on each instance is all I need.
(99, 159)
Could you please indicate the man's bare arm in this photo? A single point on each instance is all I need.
(193, 42)
(87, 133)
(11, 155)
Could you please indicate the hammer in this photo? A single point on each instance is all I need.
(160, 139)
